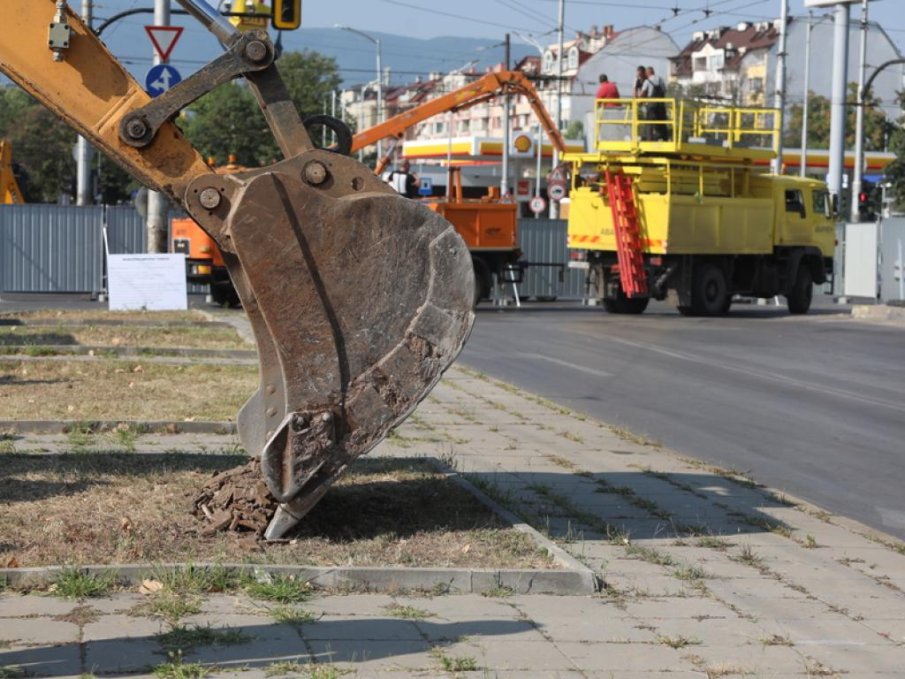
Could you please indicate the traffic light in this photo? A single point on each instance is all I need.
(287, 15)
(865, 208)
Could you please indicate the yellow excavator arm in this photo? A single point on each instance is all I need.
(10, 193)
(303, 240)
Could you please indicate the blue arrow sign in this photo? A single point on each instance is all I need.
(160, 78)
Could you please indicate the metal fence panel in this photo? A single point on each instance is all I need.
(544, 240)
(51, 248)
(892, 259)
(126, 232)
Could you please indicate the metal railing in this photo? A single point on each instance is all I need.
(677, 125)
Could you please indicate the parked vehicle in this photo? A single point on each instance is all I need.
(692, 214)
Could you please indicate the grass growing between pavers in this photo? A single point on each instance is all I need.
(165, 338)
(122, 390)
(109, 508)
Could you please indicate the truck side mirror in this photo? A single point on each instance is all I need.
(835, 205)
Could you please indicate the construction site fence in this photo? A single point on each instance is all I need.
(543, 242)
(60, 248)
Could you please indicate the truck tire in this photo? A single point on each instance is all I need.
(621, 304)
(483, 283)
(710, 291)
(802, 292)
(224, 294)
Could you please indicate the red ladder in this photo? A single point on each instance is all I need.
(628, 234)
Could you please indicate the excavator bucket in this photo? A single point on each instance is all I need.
(359, 298)
(358, 302)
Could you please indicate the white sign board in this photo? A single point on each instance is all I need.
(537, 205)
(861, 255)
(150, 282)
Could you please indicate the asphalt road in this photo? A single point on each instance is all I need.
(813, 406)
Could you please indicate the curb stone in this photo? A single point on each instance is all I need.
(148, 426)
(593, 582)
(878, 312)
(393, 579)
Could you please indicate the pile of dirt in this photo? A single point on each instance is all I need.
(236, 500)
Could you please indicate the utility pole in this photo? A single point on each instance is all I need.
(554, 206)
(859, 120)
(805, 107)
(83, 152)
(507, 130)
(157, 202)
(837, 111)
(780, 98)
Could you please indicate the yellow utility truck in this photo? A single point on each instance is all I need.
(677, 196)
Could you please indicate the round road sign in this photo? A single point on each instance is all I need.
(556, 192)
(537, 205)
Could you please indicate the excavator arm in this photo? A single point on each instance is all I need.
(373, 297)
(482, 89)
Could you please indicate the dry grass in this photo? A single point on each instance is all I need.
(111, 389)
(175, 337)
(120, 508)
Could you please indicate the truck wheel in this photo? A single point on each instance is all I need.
(482, 280)
(710, 291)
(620, 304)
(799, 297)
(224, 294)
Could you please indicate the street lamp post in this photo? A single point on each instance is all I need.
(376, 42)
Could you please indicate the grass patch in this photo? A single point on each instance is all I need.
(12, 672)
(292, 615)
(650, 555)
(678, 641)
(689, 572)
(281, 669)
(180, 640)
(72, 583)
(748, 557)
(124, 390)
(777, 640)
(168, 605)
(498, 592)
(199, 580)
(180, 670)
(279, 589)
(451, 663)
(407, 612)
(713, 542)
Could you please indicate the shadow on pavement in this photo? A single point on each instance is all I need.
(330, 640)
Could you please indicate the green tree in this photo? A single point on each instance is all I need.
(875, 123)
(228, 120)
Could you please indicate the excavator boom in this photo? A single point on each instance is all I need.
(338, 368)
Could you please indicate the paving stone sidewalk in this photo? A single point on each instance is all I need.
(707, 575)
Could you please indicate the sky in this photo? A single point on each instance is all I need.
(525, 20)
(539, 18)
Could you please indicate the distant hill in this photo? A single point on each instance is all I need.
(407, 58)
